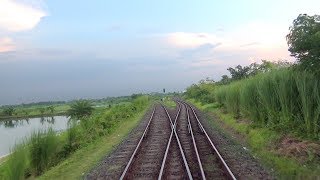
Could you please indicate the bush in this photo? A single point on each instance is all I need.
(17, 163)
(43, 147)
(282, 99)
(80, 109)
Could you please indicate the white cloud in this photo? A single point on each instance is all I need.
(191, 40)
(256, 40)
(17, 16)
(6, 44)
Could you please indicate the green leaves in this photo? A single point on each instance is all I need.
(304, 41)
(8, 111)
(80, 109)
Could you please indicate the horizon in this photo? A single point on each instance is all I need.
(60, 51)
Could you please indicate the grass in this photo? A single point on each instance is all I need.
(36, 111)
(283, 100)
(86, 158)
(15, 166)
(3, 159)
(167, 101)
(43, 148)
(46, 149)
(262, 142)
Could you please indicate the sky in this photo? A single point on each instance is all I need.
(61, 50)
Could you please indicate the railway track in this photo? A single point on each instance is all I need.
(176, 149)
(210, 162)
(145, 162)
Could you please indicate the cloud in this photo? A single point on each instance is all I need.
(191, 40)
(254, 40)
(17, 16)
(6, 45)
(200, 50)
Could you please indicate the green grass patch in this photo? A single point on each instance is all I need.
(284, 100)
(167, 101)
(83, 160)
(262, 141)
(47, 150)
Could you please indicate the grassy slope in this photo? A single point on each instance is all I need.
(86, 158)
(261, 142)
(3, 159)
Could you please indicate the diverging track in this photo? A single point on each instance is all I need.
(176, 148)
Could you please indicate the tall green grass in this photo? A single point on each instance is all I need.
(281, 99)
(46, 148)
(43, 147)
(16, 165)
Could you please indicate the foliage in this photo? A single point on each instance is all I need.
(80, 109)
(241, 72)
(134, 96)
(281, 99)
(42, 110)
(50, 109)
(8, 111)
(46, 148)
(43, 147)
(263, 142)
(84, 159)
(203, 91)
(224, 79)
(304, 41)
(17, 163)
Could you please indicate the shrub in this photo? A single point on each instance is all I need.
(283, 99)
(17, 163)
(43, 146)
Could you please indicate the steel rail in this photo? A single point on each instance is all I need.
(173, 131)
(225, 166)
(137, 147)
(195, 145)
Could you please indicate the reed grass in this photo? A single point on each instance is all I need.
(43, 147)
(282, 99)
(16, 165)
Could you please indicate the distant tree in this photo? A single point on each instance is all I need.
(50, 109)
(80, 109)
(239, 72)
(135, 96)
(266, 66)
(25, 112)
(8, 111)
(42, 110)
(224, 79)
(304, 41)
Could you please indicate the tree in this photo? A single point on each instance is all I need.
(304, 41)
(8, 111)
(135, 96)
(80, 109)
(50, 109)
(239, 72)
(224, 79)
(42, 110)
